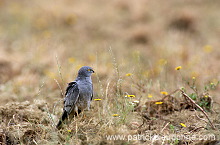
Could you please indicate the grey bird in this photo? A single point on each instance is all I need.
(78, 96)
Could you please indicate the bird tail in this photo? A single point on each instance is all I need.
(63, 118)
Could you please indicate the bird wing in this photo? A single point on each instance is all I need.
(72, 95)
(92, 93)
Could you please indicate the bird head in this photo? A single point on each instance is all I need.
(85, 71)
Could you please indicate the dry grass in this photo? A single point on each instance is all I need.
(134, 48)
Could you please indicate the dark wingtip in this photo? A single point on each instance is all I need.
(64, 116)
(59, 125)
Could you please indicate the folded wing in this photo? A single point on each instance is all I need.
(71, 97)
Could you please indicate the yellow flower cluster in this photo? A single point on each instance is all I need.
(164, 93)
(149, 96)
(158, 103)
(182, 124)
(129, 74)
(115, 115)
(178, 68)
(130, 96)
(97, 99)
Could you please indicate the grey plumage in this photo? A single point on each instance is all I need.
(78, 95)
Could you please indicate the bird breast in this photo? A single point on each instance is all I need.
(85, 94)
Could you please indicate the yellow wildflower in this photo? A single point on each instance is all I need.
(182, 124)
(164, 93)
(207, 48)
(178, 68)
(158, 103)
(149, 96)
(115, 115)
(97, 99)
(69, 131)
(71, 60)
(206, 96)
(193, 78)
(130, 96)
(129, 74)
